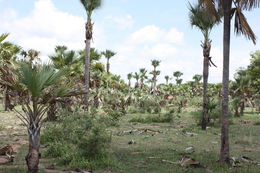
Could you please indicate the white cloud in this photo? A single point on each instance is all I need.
(122, 22)
(45, 27)
(153, 34)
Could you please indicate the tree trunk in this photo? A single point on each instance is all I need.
(236, 111)
(51, 113)
(108, 65)
(206, 52)
(6, 100)
(224, 151)
(87, 73)
(33, 156)
(242, 107)
(129, 82)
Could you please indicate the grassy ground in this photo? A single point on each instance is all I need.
(166, 141)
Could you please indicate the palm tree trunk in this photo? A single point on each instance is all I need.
(206, 52)
(242, 107)
(33, 156)
(87, 73)
(6, 100)
(108, 65)
(129, 82)
(224, 151)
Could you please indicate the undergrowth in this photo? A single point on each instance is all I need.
(78, 140)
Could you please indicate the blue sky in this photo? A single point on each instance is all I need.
(138, 30)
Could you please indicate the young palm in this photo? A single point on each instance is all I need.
(90, 6)
(230, 8)
(108, 54)
(36, 89)
(204, 21)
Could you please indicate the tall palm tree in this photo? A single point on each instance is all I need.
(230, 8)
(204, 21)
(108, 54)
(137, 77)
(155, 73)
(129, 77)
(143, 76)
(89, 6)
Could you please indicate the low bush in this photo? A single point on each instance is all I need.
(257, 123)
(78, 141)
(161, 118)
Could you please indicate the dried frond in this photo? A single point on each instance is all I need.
(211, 7)
(248, 4)
(242, 26)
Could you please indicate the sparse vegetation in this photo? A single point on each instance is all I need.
(75, 114)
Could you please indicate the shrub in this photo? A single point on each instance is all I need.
(257, 123)
(79, 141)
(161, 118)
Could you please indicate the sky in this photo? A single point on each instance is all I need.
(137, 30)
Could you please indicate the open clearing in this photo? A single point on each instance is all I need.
(154, 147)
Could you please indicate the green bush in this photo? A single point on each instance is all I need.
(79, 141)
(257, 123)
(161, 118)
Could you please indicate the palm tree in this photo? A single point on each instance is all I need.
(143, 76)
(197, 78)
(155, 73)
(167, 78)
(137, 77)
(89, 6)
(241, 27)
(8, 55)
(177, 75)
(108, 54)
(36, 87)
(204, 21)
(129, 77)
(66, 59)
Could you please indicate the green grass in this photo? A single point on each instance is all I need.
(151, 148)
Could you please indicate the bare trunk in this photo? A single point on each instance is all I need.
(242, 107)
(33, 156)
(51, 113)
(6, 100)
(205, 94)
(87, 73)
(108, 65)
(129, 82)
(224, 151)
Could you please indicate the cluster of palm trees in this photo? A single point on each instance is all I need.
(39, 86)
(225, 10)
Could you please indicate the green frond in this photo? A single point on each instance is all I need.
(3, 37)
(202, 19)
(90, 6)
(36, 80)
(108, 54)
